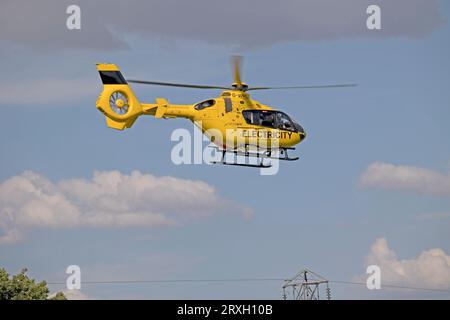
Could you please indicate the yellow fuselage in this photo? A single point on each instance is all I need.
(226, 118)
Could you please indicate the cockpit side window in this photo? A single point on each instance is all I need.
(269, 118)
(204, 104)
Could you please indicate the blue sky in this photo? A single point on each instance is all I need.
(314, 213)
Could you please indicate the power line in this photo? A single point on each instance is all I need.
(175, 281)
(383, 286)
(391, 286)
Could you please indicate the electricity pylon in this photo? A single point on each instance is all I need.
(306, 285)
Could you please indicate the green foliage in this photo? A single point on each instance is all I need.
(22, 287)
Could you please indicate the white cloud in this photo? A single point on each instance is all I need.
(75, 295)
(72, 295)
(43, 91)
(109, 199)
(397, 177)
(431, 269)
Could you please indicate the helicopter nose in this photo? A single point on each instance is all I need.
(301, 132)
(302, 135)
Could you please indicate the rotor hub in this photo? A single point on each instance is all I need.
(120, 103)
(240, 86)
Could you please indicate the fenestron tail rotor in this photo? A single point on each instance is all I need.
(236, 63)
(118, 102)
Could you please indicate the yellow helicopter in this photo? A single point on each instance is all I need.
(233, 122)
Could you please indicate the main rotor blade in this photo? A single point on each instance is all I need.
(305, 87)
(236, 61)
(181, 85)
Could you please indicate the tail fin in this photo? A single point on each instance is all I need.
(117, 101)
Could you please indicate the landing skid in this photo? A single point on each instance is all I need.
(260, 165)
(263, 154)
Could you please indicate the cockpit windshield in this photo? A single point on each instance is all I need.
(271, 119)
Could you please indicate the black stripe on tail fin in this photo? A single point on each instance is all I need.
(112, 77)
